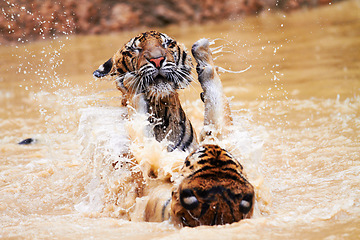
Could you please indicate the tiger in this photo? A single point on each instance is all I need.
(213, 191)
(212, 188)
(149, 70)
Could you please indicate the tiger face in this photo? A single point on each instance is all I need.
(213, 191)
(150, 63)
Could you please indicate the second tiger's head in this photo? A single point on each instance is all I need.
(213, 190)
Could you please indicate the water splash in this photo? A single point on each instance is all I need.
(223, 70)
(41, 64)
(221, 50)
(28, 21)
(40, 68)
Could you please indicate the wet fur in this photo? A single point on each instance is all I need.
(135, 74)
(213, 189)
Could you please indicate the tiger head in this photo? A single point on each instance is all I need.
(151, 63)
(213, 190)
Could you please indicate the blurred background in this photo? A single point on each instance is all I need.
(47, 18)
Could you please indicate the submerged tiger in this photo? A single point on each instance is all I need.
(212, 189)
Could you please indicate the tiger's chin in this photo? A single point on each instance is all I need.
(160, 88)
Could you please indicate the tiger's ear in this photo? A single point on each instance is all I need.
(104, 69)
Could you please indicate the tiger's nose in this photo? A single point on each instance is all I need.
(157, 62)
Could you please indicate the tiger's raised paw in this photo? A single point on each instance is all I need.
(205, 68)
(217, 115)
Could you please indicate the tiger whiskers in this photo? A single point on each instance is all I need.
(183, 76)
(134, 84)
(193, 217)
(156, 84)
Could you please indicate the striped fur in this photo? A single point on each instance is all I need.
(149, 70)
(155, 66)
(136, 73)
(214, 190)
(171, 122)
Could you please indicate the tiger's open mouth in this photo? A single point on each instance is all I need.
(160, 87)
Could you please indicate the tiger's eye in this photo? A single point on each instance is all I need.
(169, 43)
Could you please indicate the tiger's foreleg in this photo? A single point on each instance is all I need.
(158, 206)
(217, 115)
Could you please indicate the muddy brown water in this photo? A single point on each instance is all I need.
(296, 108)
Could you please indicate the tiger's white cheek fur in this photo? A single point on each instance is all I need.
(160, 90)
(190, 200)
(245, 204)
